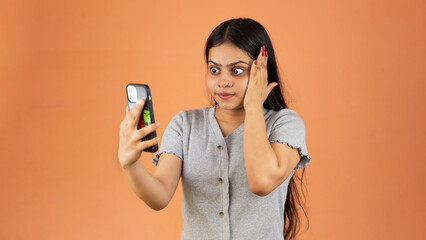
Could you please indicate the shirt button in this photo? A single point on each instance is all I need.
(219, 180)
(220, 147)
(221, 214)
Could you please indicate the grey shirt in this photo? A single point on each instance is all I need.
(217, 202)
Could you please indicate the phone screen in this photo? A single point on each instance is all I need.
(145, 118)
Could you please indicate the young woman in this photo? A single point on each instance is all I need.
(236, 158)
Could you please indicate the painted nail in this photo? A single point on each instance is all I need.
(263, 53)
(255, 62)
(263, 48)
(266, 53)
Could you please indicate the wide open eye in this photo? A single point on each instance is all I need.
(237, 71)
(214, 70)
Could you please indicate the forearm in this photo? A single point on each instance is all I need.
(146, 186)
(260, 159)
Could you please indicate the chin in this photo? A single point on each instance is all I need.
(229, 105)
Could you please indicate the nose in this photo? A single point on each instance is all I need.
(223, 82)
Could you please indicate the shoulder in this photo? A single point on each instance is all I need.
(191, 116)
(285, 115)
(285, 122)
(193, 113)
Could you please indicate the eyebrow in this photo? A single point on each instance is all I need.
(231, 64)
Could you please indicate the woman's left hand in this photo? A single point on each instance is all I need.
(258, 88)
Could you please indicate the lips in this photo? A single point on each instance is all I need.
(224, 95)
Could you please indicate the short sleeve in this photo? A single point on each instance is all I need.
(172, 140)
(289, 129)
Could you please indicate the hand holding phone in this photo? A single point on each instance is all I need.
(137, 131)
(141, 91)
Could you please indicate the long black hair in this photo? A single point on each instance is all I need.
(250, 36)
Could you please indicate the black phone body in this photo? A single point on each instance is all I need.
(135, 92)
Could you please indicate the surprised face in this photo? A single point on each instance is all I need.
(228, 73)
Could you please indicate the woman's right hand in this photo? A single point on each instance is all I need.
(131, 144)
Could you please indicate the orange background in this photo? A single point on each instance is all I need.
(353, 70)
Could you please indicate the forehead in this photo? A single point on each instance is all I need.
(227, 53)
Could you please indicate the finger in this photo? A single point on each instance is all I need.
(263, 66)
(146, 130)
(135, 112)
(262, 59)
(254, 65)
(149, 143)
(259, 57)
(265, 59)
(264, 72)
(256, 60)
(138, 106)
(253, 70)
(126, 118)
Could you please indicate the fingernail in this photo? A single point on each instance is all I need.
(266, 53)
(140, 101)
(158, 124)
(255, 62)
(263, 53)
(263, 48)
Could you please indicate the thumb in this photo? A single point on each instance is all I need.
(271, 86)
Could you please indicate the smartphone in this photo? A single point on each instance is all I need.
(141, 91)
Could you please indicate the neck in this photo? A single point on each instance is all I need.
(230, 115)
